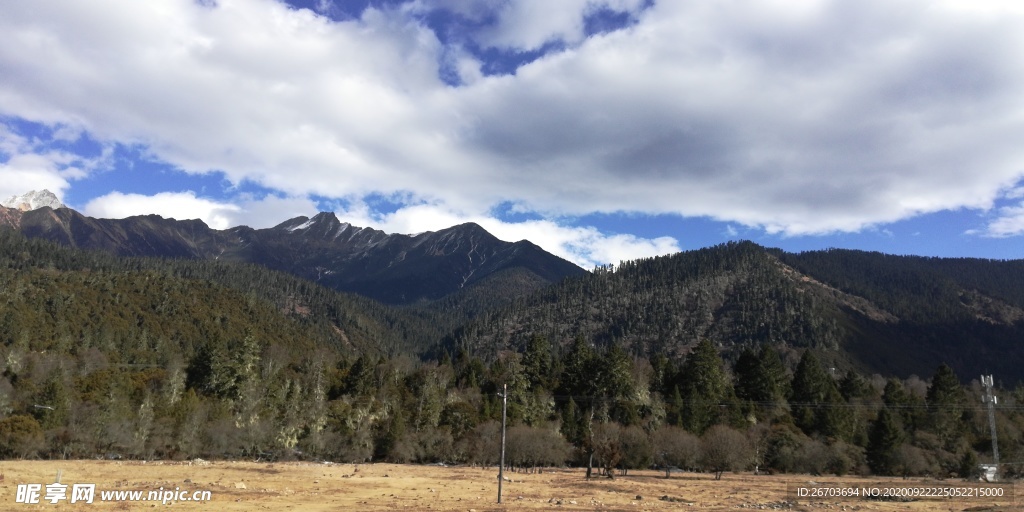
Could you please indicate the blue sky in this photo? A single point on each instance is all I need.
(602, 130)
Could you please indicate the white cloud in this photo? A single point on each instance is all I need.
(1009, 222)
(244, 210)
(173, 205)
(797, 119)
(271, 210)
(23, 173)
(586, 246)
(324, 6)
(527, 25)
(26, 164)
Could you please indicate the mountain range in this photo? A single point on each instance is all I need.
(462, 289)
(391, 268)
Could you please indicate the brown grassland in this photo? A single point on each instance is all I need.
(238, 486)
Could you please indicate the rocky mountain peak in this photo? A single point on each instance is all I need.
(33, 200)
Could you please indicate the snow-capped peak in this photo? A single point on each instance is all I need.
(33, 201)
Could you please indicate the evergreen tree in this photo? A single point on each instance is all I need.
(571, 428)
(945, 389)
(55, 402)
(854, 387)
(703, 387)
(469, 370)
(674, 409)
(896, 397)
(884, 438)
(749, 384)
(360, 379)
(761, 378)
(663, 373)
(817, 405)
(507, 370)
(836, 418)
(391, 433)
(809, 386)
(615, 373)
(211, 372)
(945, 400)
(773, 374)
(537, 362)
(578, 372)
(969, 468)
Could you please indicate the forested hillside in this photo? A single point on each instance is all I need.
(733, 294)
(875, 313)
(919, 289)
(346, 322)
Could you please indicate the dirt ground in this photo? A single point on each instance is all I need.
(238, 486)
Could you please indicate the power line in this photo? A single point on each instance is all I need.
(1006, 408)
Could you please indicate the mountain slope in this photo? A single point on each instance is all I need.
(149, 235)
(889, 315)
(326, 318)
(396, 269)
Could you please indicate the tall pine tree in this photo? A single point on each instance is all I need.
(703, 386)
(945, 400)
(817, 405)
(884, 438)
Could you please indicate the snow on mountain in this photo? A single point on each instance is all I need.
(33, 201)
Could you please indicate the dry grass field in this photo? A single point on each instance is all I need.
(238, 486)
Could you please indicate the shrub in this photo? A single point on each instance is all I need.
(21, 436)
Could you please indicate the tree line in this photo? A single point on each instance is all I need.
(587, 406)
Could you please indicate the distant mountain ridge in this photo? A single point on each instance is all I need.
(392, 268)
(396, 268)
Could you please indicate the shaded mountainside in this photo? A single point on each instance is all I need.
(395, 269)
(147, 235)
(885, 314)
(967, 312)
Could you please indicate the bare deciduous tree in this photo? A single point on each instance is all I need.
(724, 449)
(532, 447)
(675, 447)
(607, 447)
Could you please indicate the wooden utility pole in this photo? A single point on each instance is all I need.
(991, 400)
(501, 463)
